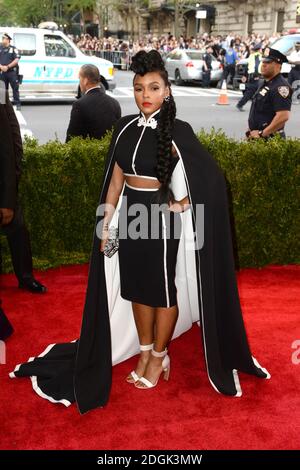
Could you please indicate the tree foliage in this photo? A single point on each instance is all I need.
(25, 12)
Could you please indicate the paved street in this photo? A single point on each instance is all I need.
(47, 121)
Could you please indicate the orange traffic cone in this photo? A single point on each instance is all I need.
(223, 97)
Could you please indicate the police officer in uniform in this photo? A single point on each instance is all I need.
(272, 101)
(207, 66)
(9, 58)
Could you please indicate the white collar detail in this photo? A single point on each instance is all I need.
(93, 88)
(150, 122)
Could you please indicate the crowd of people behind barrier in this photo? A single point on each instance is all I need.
(120, 51)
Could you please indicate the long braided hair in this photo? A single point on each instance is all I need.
(144, 62)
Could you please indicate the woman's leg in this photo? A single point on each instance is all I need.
(165, 322)
(144, 317)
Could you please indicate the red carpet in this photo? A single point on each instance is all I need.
(185, 413)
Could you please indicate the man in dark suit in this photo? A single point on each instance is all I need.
(15, 229)
(8, 192)
(95, 112)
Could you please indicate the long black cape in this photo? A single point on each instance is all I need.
(81, 371)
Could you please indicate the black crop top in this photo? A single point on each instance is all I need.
(136, 149)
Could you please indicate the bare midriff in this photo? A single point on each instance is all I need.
(140, 182)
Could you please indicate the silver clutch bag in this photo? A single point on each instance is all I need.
(112, 244)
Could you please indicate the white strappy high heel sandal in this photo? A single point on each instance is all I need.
(133, 377)
(165, 368)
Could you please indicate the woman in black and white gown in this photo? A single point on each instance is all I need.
(154, 287)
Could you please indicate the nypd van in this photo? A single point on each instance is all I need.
(50, 62)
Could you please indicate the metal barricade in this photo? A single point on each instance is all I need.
(120, 59)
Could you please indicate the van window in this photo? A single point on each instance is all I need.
(25, 43)
(56, 46)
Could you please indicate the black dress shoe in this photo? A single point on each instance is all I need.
(33, 286)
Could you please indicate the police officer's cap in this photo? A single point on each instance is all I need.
(7, 36)
(273, 55)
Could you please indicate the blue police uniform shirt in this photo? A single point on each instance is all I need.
(8, 55)
(272, 96)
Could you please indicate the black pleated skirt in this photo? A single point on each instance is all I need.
(148, 245)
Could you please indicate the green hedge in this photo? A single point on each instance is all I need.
(61, 184)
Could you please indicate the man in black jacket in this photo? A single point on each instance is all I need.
(15, 229)
(95, 112)
(8, 193)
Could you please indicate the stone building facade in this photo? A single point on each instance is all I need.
(131, 20)
(259, 16)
